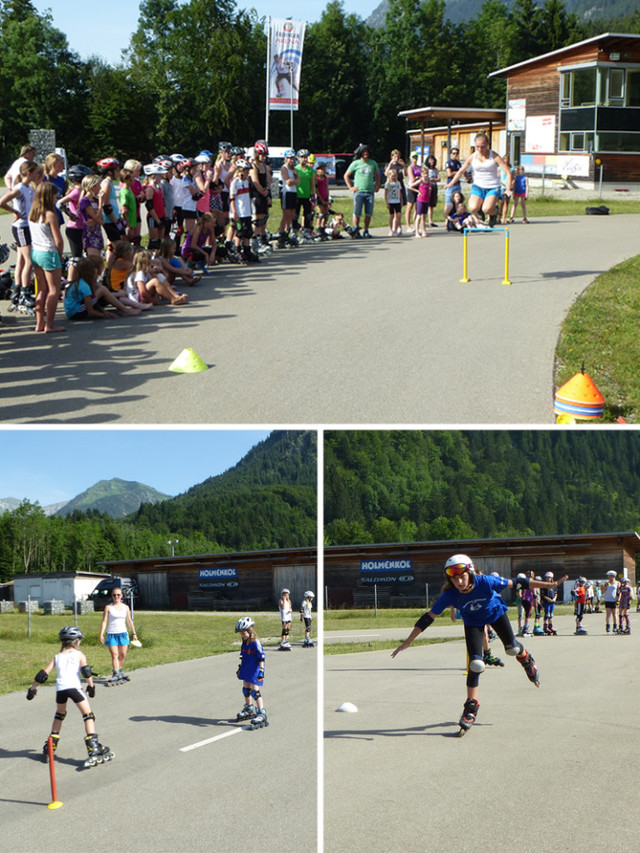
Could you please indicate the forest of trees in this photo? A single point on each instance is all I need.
(405, 486)
(177, 91)
(268, 500)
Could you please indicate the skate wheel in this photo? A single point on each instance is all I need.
(462, 731)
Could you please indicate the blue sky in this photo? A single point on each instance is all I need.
(105, 28)
(52, 465)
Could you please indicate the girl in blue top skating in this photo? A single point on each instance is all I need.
(251, 673)
(478, 599)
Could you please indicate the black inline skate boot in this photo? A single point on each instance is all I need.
(247, 713)
(98, 754)
(469, 714)
(45, 748)
(529, 666)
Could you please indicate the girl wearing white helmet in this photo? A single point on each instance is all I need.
(611, 597)
(306, 616)
(626, 595)
(251, 673)
(478, 599)
(285, 617)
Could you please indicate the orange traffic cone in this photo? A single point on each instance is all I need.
(579, 398)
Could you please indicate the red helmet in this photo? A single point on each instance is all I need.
(108, 163)
(261, 148)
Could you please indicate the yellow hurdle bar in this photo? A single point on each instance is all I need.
(465, 249)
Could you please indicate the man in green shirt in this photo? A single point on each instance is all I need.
(305, 189)
(363, 179)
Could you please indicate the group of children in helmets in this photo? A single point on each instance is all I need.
(71, 665)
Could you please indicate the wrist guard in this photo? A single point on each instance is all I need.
(108, 209)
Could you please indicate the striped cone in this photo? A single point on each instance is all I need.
(579, 398)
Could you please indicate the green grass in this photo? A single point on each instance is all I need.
(381, 645)
(601, 330)
(166, 638)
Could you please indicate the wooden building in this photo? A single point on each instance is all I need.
(404, 574)
(236, 580)
(441, 128)
(576, 111)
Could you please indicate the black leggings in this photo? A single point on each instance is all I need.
(474, 635)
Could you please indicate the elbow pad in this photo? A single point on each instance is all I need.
(86, 671)
(149, 204)
(197, 196)
(522, 582)
(424, 622)
(108, 209)
(41, 677)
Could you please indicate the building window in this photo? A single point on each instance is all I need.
(619, 142)
(578, 141)
(633, 88)
(584, 87)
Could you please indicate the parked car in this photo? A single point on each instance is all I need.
(101, 595)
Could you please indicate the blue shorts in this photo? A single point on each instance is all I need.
(361, 200)
(117, 639)
(448, 193)
(45, 260)
(485, 192)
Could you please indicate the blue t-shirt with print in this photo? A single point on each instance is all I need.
(482, 606)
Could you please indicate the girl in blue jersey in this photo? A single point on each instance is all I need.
(478, 599)
(251, 673)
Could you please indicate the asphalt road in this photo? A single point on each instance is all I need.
(228, 794)
(550, 769)
(374, 331)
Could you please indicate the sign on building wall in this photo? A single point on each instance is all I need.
(223, 577)
(386, 571)
(516, 114)
(541, 135)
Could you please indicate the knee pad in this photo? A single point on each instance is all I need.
(60, 715)
(476, 665)
(255, 694)
(285, 632)
(246, 692)
(514, 650)
(89, 716)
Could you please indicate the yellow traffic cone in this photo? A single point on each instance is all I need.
(188, 362)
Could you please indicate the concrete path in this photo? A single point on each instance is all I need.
(543, 769)
(232, 786)
(378, 331)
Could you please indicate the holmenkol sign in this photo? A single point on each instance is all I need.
(368, 567)
(223, 577)
(226, 573)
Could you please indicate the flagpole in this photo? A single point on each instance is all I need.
(266, 117)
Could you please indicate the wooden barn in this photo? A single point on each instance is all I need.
(237, 580)
(575, 112)
(404, 574)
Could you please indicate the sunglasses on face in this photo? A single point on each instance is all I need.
(455, 571)
(116, 595)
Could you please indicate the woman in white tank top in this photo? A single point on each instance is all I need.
(485, 190)
(114, 622)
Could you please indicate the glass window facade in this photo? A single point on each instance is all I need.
(600, 109)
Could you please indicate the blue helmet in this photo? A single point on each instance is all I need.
(289, 152)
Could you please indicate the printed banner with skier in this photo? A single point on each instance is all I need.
(285, 61)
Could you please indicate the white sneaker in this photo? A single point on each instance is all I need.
(399, 232)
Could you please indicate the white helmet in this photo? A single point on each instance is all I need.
(154, 169)
(244, 624)
(612, 573)
(282, 592)
(309, 594)
(241, 163)
(460, 560)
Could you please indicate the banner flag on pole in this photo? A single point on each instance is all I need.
(285, 62)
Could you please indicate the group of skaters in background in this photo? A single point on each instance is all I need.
(535, 607)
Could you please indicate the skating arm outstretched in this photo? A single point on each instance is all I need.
(420, 626)
(521, 581)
